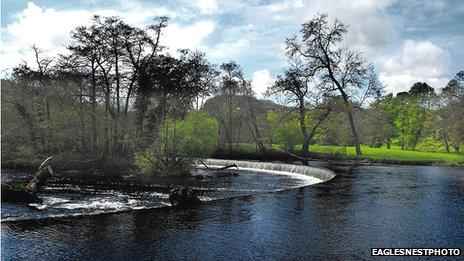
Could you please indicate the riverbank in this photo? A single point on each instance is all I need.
(370, 156)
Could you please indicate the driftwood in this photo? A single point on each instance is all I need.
(218, 169)
(57, 163)
(61, 162)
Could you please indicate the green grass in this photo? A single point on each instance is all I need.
(395, 153)
(377, 154)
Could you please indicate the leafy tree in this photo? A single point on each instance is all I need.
(389, 107)
(376, 126)
(410, 120)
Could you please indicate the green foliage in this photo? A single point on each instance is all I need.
(410, 121)
(162, 162)
(286, 132)
(179, 144)
(145, 160)
(24, 152)
(19, 163)
(197, 135)
(430, 144)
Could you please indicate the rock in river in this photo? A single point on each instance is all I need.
(183, 196)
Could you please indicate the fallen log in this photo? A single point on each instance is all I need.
(61, 162)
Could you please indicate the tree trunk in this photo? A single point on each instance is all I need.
(31, 125)
(349, 112)
(304, 131)
(447, 145)
(93, 113)
(354, 132)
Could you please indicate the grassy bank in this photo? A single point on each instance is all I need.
(393, 155)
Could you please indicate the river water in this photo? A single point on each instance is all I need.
(258, 216)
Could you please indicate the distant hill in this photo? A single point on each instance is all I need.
(218, 104)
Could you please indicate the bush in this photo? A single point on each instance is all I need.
(24, 152)
(429, 144)
(197, 135)
(179, 144)
(162, 163)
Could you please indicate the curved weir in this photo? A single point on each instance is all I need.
(319, 173)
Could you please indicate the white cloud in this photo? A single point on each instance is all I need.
(207, 6)
(46, 28)
(186, 37)
(418, 61)
(260, 81)
(284, 5)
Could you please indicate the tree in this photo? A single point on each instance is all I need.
(229, 114)
(376, 125)
(296, 84)
(253, 119)
(450, 112)
(410, 119)
(388, 106)
(340, 69)
(285, 130)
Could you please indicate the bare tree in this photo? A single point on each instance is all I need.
(296, 84)
(343, 70)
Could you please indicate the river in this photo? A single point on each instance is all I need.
(363, 207)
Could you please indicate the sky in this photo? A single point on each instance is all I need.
(407, 41)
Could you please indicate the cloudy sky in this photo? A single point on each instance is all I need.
(407, 41)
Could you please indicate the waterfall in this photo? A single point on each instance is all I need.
(319, 173)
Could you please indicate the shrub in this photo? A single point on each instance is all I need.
(24, 152)
(429, 144)
(197, 135)
(180, 142)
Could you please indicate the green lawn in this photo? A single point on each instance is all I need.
(393, 154)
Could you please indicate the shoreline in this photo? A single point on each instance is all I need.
(275, 155)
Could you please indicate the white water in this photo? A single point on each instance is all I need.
(297, 171)
(96, 202)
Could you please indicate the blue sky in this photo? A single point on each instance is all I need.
(407, 41)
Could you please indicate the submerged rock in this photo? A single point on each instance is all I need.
(183, 196)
